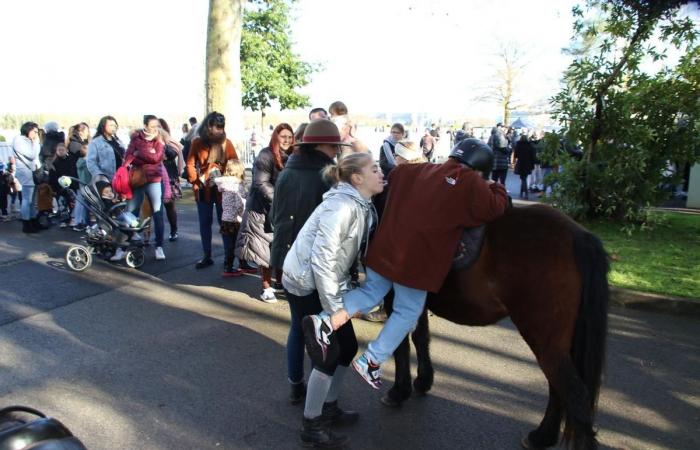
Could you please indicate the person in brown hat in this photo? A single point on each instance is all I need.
(298, 191)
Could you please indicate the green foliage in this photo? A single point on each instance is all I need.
(269, 68)
(674, 243)
(630, 123)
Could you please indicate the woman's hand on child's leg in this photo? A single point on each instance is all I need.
(339, 318)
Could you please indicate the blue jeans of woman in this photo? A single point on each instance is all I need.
(154, 191)
(205, 211)
(28, 210)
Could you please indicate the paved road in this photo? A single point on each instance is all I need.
(173, 358)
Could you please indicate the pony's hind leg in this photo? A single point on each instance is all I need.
(421, 340)
(547, 434)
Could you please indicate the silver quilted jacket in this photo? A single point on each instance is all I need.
(327, 246)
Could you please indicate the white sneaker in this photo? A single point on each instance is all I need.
(268, 295)
(159, 254)
(118, 255)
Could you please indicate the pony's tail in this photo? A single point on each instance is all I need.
(588, 347)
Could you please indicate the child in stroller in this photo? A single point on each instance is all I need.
(116, 234)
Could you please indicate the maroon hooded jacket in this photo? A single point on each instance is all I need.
(147, 154)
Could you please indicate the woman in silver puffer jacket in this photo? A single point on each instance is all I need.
(317, 270)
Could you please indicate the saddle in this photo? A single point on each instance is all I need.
(469, 247)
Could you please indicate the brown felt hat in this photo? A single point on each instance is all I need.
(321, 131)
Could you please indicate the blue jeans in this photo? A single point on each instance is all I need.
(205, 211)
(28, 210)
(80, 213)
(154, 191)
(408, 306)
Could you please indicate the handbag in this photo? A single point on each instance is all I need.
(137, 177)
(39, 176)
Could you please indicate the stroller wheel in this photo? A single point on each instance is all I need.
(78, 258)
(135, 258)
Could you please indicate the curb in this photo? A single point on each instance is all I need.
(645, 301)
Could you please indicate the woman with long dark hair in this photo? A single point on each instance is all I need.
(256, 231)
(206, 161)
(105, 151)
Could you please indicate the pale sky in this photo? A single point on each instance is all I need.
(137, 56)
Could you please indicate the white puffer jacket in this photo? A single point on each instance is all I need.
(328, 245)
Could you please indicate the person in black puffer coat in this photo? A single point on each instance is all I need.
(256, 230)
(79, 135)
(499, 145)
(63, 165)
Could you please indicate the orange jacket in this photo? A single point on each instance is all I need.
(197, 166)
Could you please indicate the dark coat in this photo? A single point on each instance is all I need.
(384, 163)
(450, 197)
(298, 191)
(524, 153)
(60, 167)
(265, 174)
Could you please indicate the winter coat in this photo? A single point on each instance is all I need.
(100, 157)
(28, 160)
(233, 196)
(497, 139)
(148, 155)
(328, 245)
(299, 189)
(265, 174)
(386, 156)
(198, 167)
(501, 157)
(426, 212)
(524, 154)
(62, 167)
(48, 148)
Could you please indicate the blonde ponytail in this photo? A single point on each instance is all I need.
(344, 170)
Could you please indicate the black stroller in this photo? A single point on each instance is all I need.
(109, 233)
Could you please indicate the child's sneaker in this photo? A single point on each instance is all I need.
(320, 341)
(368, 370)
(268, 296)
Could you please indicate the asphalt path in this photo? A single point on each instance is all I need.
(169, 357)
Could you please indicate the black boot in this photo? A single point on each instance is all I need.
(316, 432)
(298, 393)
(206, 261)
(27, 227)
(337, 416)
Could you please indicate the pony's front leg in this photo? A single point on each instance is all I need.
(401, 390)
(421, 340)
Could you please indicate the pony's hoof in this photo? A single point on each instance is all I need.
(390, 402)
(527, 445)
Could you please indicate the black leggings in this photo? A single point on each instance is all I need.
(308, 305)
(500, 176)
(171, 212)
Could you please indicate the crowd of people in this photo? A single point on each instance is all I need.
(318, 208)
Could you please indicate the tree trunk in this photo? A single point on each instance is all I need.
(223, 65)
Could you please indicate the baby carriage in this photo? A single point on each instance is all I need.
(115, 228)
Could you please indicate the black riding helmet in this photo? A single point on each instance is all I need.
(473, 153)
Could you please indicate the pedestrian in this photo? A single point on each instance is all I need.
(59, 166)
(48, 143)
(299, 190)
(499, 145)
(210, 152)
(105, 151)
(424, 218)
(317, 273)
(317, 113)
(336, 109)
(26, 149)
(174, 163)
(427, 145)
(386, 154)
(256, 231)
(81, 215)
(6, 181)
(78, 135)
(146, 152)
(524, 155)
(233, 195)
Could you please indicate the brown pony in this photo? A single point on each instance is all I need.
(549, 275)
